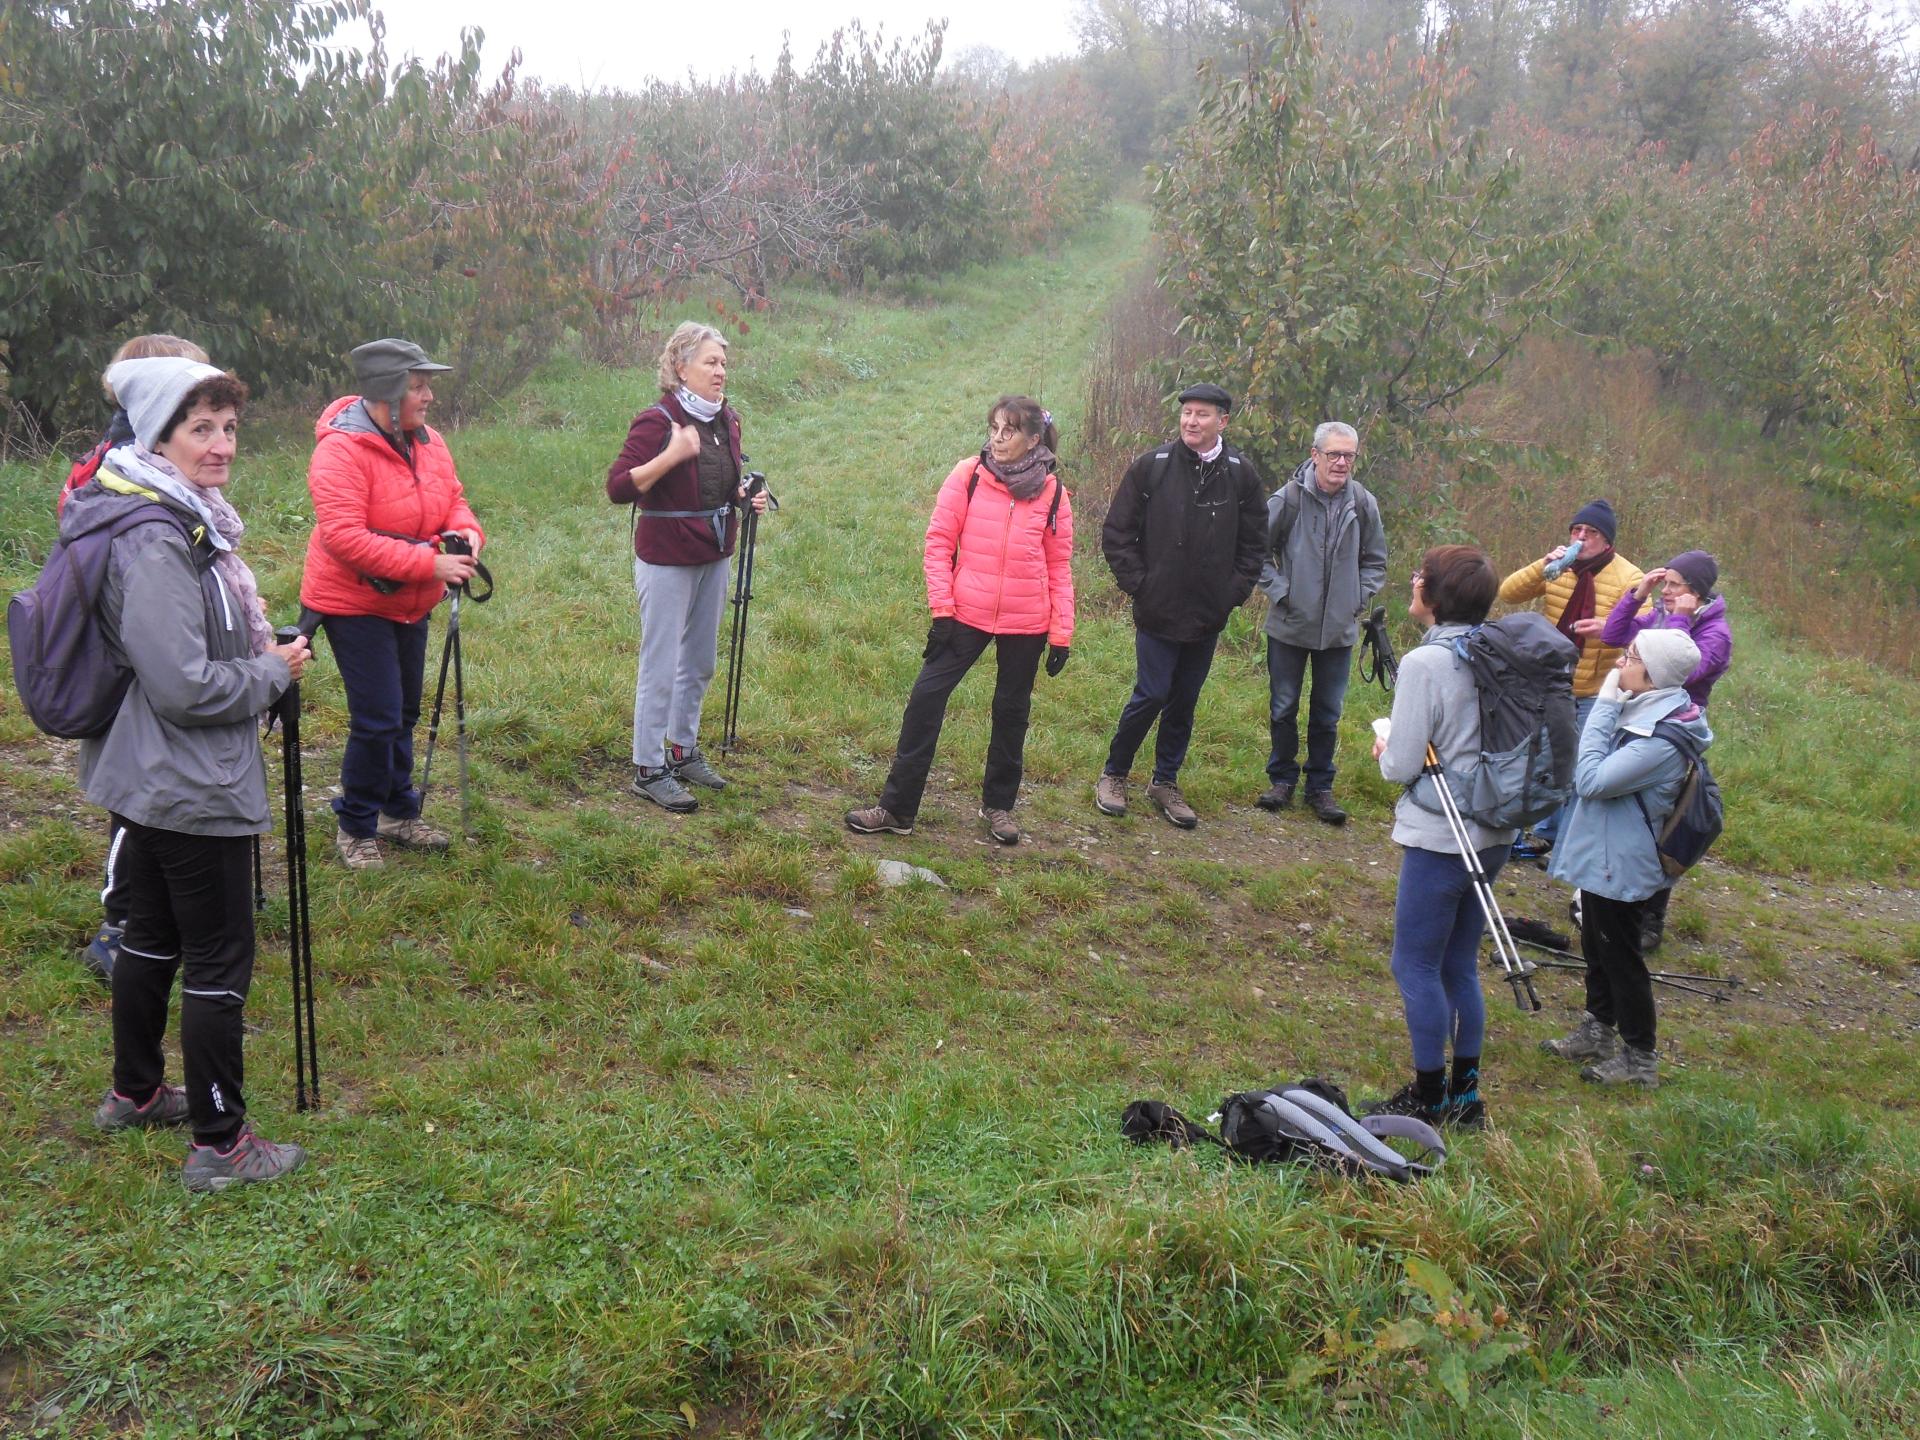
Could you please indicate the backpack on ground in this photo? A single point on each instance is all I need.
(1522, 670)
(70, 677)
(1305, 1124)
(1698, 815)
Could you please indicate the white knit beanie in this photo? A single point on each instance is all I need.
(151, 390)
(1669, 655)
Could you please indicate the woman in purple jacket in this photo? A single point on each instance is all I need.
(1686, 602)
(680, 469)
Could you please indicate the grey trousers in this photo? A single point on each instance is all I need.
(680, 609)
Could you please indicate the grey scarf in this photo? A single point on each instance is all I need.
(1025, 477)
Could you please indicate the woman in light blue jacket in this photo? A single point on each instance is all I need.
(1625, 782)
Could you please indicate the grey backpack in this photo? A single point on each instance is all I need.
(1522, 670)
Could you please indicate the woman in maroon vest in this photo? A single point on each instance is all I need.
(681, 471)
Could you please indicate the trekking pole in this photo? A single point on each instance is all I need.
(306, 1042)
(1674, 979)
(1519, 972)
(453, 544)
(1377, 662)
(742, 598)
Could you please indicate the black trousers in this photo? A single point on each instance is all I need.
(113, 894)
(1619, 990)
(1018, 661)
(189, 912)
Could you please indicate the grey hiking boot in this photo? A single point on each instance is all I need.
(358, 852)
(103, 952)
(663, 789)
(1589, 1040)
(1632, 1066)
(412, 833)
(166, 1106)
(1275, 797)
(875, 819)
(1408, 1100)
(1000, 826)
(249, 1161)
(690, 767)
(1110, 794)
(1172, 804)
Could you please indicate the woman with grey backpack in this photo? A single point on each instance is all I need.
(1625, 782)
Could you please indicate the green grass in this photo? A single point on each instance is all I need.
(636, 1126)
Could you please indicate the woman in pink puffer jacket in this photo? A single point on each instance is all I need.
(999, 563)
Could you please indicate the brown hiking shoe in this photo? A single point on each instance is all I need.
(1275, 797)
(875, 819)
(358, 852)
(1172, 804)
(1110, 794)
(412, 833)
(1322, 803)
(1001, 827)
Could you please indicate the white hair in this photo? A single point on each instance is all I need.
(1330, 429)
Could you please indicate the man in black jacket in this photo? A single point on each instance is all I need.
(1185, 537)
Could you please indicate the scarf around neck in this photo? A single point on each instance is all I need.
(224, 529)
(1025, 477)
(702, 410)
(1580, 603)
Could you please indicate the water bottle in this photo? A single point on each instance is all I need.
(1556, 568)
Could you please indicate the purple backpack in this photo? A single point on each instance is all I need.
(70, 678)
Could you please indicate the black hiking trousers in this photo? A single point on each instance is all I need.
(1018, 658)
(1619, 990)
(189, 913)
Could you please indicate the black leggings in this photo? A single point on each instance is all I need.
(1619, 990)
(189, 912)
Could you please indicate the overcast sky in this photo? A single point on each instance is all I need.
(614, 46)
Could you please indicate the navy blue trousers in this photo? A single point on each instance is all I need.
(382, 664)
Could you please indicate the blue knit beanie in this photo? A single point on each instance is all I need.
(1598, 514)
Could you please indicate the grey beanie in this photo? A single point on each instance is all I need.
(382, 367)
(1669, 655)
(151, 390)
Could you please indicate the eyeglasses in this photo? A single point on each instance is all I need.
(1633, 655)
(1003, 432)
(1339, 457)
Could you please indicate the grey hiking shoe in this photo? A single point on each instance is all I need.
(1172, 804)
(1275, 797)
(1631, 1066)
(1110, 794)
(103, 953)
(249, 1161)
(691, 768)
(1589, 1040)
(663, 789)
(358, 852)
(412, 833)
(1000, 826)
(875, 819)
(167, 1106)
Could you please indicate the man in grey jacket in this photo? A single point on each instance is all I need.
(1327, 560)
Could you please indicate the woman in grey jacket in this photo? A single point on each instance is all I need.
(1625, 781)
(1437, 919)
(180, 768)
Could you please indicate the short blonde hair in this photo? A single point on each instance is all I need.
(682, 346)
(151, 347)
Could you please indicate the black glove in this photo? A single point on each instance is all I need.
(939, 637)
(1057, 658)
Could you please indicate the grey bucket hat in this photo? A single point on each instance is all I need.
(382, 367)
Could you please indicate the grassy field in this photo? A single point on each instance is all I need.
(636, 1125)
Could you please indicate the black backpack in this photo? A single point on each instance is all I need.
(1304, 1124)
(1698, 815)
(1522, 670)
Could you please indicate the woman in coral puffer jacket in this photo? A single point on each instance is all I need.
(998, 559)
(384, 492)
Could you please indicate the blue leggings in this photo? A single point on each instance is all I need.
(1436, 950)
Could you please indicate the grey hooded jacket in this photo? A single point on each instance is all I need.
(184, 752)
(1326, 562)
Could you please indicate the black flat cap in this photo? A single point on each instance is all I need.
(1207, 394)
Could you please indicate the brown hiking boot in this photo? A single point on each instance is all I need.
(1110, 794)
(1275, 797)
(1001, 827)
(1322, 803)
(1172, 804)
(358, 852)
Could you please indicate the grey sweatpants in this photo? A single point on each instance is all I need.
(680, 609)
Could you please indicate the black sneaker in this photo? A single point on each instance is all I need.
(1407, 1101)
(1465, 1112)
